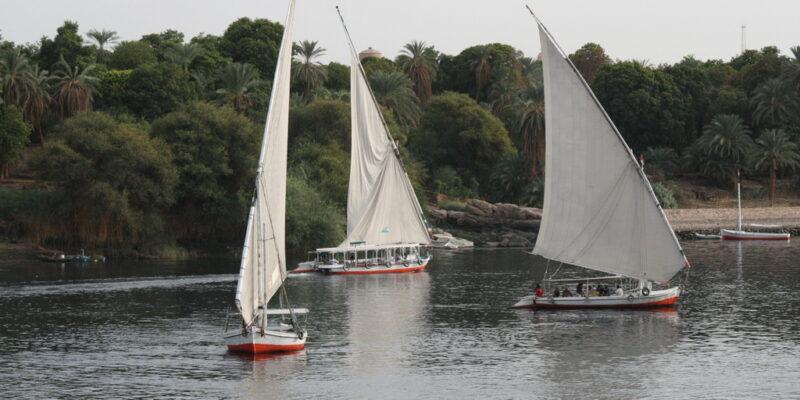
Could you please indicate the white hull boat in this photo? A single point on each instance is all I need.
(360, 260)
(361, 268)
(276, 337)
(655, 298)
(728, 234)
(599, 211)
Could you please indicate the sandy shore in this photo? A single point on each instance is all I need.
(711, 219)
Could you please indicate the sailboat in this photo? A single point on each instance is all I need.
(600, 212)
(386, 228)
(263, 266)
(739, 233)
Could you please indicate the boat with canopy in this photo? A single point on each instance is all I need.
(741, 234)
(600, 212)
(386, 229)
(263, 266)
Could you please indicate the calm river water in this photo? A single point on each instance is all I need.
(152, 330)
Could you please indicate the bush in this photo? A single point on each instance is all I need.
(665, 196)
(452, 205)
(311, 221)
(447, 181)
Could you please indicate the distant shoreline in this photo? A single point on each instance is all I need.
(709, 220)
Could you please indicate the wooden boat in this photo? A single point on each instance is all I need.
(741, 234)
(384, 217)
(263, 266)
(600, 212)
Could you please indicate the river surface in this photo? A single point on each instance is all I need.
(153, 330)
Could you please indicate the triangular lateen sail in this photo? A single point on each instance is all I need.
(599, 210)
(381, 205)
(263, 266)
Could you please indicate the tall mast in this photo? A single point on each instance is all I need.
(739, 199)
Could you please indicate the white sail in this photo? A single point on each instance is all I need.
(263, 266)
(381, 205)
(599, 209)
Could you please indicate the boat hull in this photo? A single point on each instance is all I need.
(364, 270)
(657, 298)
(272, 341)
(744, 235)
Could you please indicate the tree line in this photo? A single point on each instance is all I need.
(149, 145)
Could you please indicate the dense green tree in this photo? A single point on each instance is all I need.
(157, 89)
(162, 42)
(775, 103)
(102, 38)
(454, 130)
(661, 161)
(237, 82)
(14, 76)
(74, 89)
(588, 59)
(67, 44)
(394, 91)
(14, 134)
(418, 60)
(692, 81)
(37, 103)
(769, 65)
(215, 151)
(374, 64)
(471, 70)
(529, 128)
(183, 55)
(113, 89)
(723, 148)
(308, 230)
(323, 121)
(791, 71)
(255, 42)
(309, 74)
(114, 180)
(129, 55)
(209, 60)
(728, 100)
(645, 104)
(774, 150)
(338, 76)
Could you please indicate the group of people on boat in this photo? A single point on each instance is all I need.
(581, 290)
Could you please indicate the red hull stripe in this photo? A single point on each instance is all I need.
(666, 302)
(726, 237)
(254, 348)
(379, 271)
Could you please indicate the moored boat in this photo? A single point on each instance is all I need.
(263, 266)
(600, 212)
(741, 234)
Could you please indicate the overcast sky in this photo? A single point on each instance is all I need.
(654, 30)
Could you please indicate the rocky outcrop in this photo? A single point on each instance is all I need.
(479, 214)
(491, 225)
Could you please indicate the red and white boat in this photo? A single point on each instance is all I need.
(263, 268)
(739, 233)
(385, 223)
(600, 212)
(631, 299)
(362, 259)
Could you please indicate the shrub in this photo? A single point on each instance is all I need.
(452, 205)
(665, 196)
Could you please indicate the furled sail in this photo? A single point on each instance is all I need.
(263, 266)
(599, 209)
(381, 205)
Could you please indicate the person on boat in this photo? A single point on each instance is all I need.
(539, 291)
(593, 292)
(566, 293)
(334, 261)
(556, 292)
(579, 290)
(619, 291)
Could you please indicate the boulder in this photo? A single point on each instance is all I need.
(437, 214)
(505, 210)
(484, 206)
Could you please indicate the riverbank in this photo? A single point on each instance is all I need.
(686, 221)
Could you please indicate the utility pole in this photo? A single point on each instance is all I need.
(744, 39)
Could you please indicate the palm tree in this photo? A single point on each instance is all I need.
(481, 65)
(530, 127)
(183, 54)
(775, 150)
(419, 61)
(792, 70)
(102, 38)
(311, 74)
(74, 89)
(394, 91)
(723, 147)
(14, 67)
(38, 99)
(503, 91)
(774, 103)
(237, 81)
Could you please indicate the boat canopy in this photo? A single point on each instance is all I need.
(344, 249)
(381, 205)
(263, 266)
(599, 211)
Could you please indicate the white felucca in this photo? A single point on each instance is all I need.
(741, 234)
(386, 227)
(600, 212)
(263, 266)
